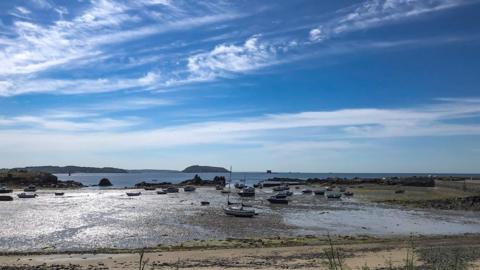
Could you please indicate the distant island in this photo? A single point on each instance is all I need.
(152, 171)
(205, 169)
(72, 169)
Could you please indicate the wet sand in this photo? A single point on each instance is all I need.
(89, 219)
(373, 252)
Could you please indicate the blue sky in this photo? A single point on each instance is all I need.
(317, 86)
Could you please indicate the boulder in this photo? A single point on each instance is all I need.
(105, 182)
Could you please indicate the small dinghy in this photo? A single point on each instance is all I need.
(171, 190)
(26, 196)
(247, 192)
(59, 193)
(6, 198)
(334, 195)
(133, 194)
(238, 211)
(307, 191)
(161, 192)
(278, 199)
(150, 188)
(30, 188)
(348, 194)
(189, 189)
(218, 187)
(205, 203)
(5, 190)
(320, 192)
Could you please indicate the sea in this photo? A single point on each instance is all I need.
(250, 178)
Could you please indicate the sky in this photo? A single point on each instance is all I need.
(304, 86)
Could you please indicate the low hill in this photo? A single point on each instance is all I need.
(73, 169)
(205, 169)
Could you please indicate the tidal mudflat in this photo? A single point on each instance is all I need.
(90, 219)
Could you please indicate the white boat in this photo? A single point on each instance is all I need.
(247, 192)
(238, 211)
(30, 188)
(189, 188)
(26, 196)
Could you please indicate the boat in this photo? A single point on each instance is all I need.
(307, 191)
(59, 193)
(348, 194)
(278, 199)
(399, 191)
(189, 188)
(219, 187)
(5, 190)
(204, 203)
(30, 188)
(334, 195)
(329, 189)
(26, 196)
(161, 192)
(247, 192)
(281, 196)
(342, 189)
(171, 190)
(319, 192)
(225, 191)
(239, 185)
(150, 188)
(133, 194)
(238, 211)
(6, 198)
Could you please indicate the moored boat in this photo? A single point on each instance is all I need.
(30, 188)
(219, 187)
(247, 192)
(238, 211)
(133, 194)
(334, 195)
(5, 190)
(59, 193)
(277, 200)
(171, 190)
(307, 191)
(6, 198)
(319, 192)
(189, 189)
(26, 196)
(150, 188)
(204, 203)
(348, 193)
(161, 192)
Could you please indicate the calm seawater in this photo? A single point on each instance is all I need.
(130, 179)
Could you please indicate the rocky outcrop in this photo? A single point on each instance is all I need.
(156, 185)
(105, 182)
(23, 178)
(197, 181)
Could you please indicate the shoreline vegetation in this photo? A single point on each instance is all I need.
(459, 252)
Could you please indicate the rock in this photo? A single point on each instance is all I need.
(104, 182)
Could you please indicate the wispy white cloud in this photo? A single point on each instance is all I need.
(373, 13)
(343, 127)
